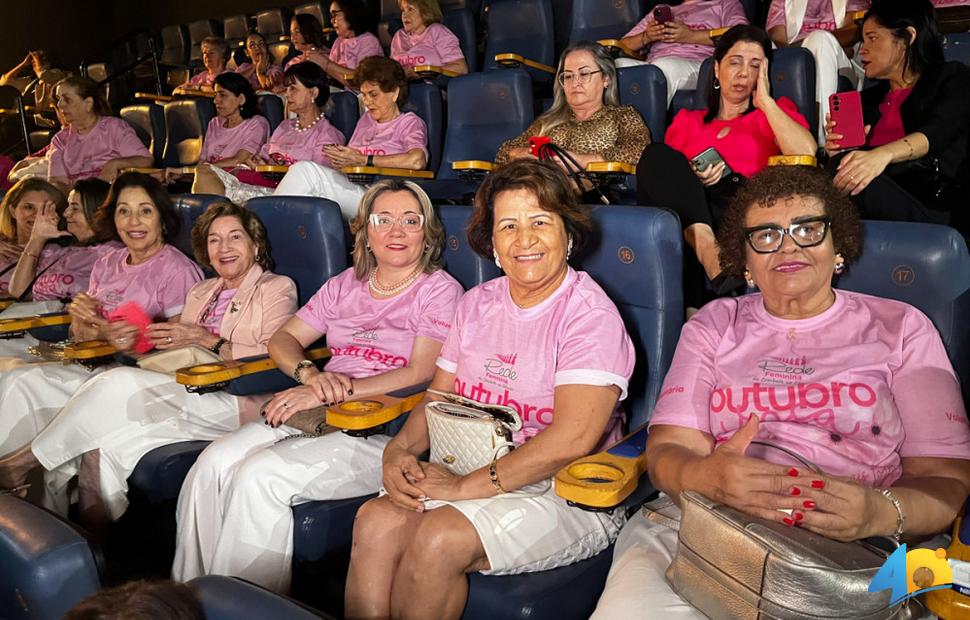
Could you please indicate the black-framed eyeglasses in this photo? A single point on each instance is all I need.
(334, 14)
(806, 233)
(581, 77)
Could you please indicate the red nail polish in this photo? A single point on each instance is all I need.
(818, 484)
(796, 491)
(793, 472)
(809, 504)
(788, 521)
(798, 516)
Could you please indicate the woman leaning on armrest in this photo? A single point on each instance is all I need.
(859, 385)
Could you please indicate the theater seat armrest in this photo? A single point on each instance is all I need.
(716, 33)
(793, 160)
(617, 48)
(516, 60)
(89, 350)
(611, 167)
(212, 377)
(433, 71)
(153, 97)
(369, 413)
(6, 303)
(604, 480)
(12, 328)
(365, 174)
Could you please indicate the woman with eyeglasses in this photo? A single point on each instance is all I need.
(385, 136)
(306, 37)
(354, 41)
(385, 320)
(586, 118)
(262, 71)
(708, 154)
(859, 385)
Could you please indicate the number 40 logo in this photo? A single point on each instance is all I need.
(910, 573)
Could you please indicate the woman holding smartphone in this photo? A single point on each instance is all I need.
(708, 153)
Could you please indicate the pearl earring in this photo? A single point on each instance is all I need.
(839, 264)
(569, 248)
(497, 263)
(748, 279)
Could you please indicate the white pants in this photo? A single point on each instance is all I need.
(235, 509)
(307, 178)
(237, 191)
(830, 62)
(680, 72)
(636, 582)
(125, 413)
(30, 397)
(13, 352)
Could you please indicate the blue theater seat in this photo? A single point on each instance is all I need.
(46, 566)
(927, 266)
(956, 47)
(425, 100)
(185, 123)
(189, 208)
(462, 23)
(523, 27)
(228, 598)
(792, 75)
(306, 237)
(271, 107)
(645, 88)
(343, 111)
(484, 110)
(148, 121)
(593, 20)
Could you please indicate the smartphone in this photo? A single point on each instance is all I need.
(662, 13)
(846, 110)
(710, 157)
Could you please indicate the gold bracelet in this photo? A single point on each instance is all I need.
(493, 476)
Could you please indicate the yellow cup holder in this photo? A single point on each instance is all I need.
(203, 368)
(361, 406)
(596, 473)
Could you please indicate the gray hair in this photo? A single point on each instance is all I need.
(560, 112)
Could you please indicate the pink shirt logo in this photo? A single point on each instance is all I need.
(500, 367)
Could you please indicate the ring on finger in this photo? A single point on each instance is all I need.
(168, 340)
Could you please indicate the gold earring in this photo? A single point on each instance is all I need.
(839, 264)
(748, 279)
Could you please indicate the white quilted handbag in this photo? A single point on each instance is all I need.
(467, 435)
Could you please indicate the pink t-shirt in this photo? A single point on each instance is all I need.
(350, 51)
(818, 16)
(159, 285)
(400, 135)
(6, 272)
(889, 127)
(65, 272)
(503, 354)
(221, 142)
(274, 73)
(368, 336)
(437, 45)
(287, 145)
(206, 78)
(746, 148)
(696, 15)
(942, 4)
(212, 318)
(854, 389)
(80, 157)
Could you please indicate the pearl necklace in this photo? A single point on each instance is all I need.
(376, 286)
(301, 128)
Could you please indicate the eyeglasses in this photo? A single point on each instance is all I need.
(409, 222)
(581, 78)
(334, 14)
(806, 234)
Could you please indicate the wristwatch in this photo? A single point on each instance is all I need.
(218, 345)
(370, 160)
(299, 367)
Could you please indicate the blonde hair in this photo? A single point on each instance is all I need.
(560, 112)
(434, 232)
(8, 224)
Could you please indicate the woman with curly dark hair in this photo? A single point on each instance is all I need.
(859, 385)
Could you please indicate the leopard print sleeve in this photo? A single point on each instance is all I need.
(633, 136)
(520, 141)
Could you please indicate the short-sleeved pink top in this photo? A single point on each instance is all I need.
(222, 142)
(80, 157)
(288, 145)
(696, 15)
(819, 15)
(437, 45)
(394, 137)
(348, 52)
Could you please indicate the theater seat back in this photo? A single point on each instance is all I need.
(927, 266)
(343, 111)
(645, 88)
(636, 258)
(148, 121)
(274, 25)
(271, 107)
(460, 260)
(185, 123)
(199, 30)
(522, 27)
(484, 110)
(175, 45)
(462, 23)
(46, 566)
(425, 101)
(593, 20)
(230, 598)
(189, 208)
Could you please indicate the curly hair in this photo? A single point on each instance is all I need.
(250, 223)
(434, 231)
(551, 188)
(777, 183)
(387, 73)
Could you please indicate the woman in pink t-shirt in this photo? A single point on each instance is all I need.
(107, 422)
(262, 70)
(385, 137)
(384, 319)
(861, 386)
(306, 36)
(545, 340)
(92, 143)
(303, 138)
(18, 212)
(354, 43)
(744, 126)
(678, 47)
(215, 55)
(237, 132)
(424, 40)
(145, 271)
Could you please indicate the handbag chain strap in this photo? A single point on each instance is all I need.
(798, 457)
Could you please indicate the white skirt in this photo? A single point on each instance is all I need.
(125, 413)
